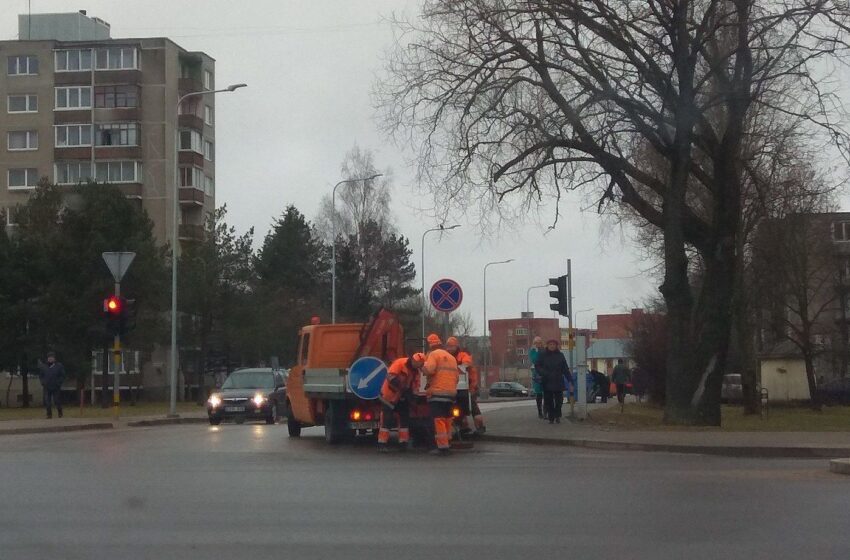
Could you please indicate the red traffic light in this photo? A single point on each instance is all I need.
(112, 305)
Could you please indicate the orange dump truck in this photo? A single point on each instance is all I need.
(318, 389)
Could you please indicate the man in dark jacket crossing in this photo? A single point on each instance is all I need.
(52, 375)
(551, 365)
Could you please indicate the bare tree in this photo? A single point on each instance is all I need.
(358, 203)
(539, 97)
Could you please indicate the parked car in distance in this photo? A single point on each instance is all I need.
(732, 391)
(508, 389)
(249, 394)
(835, 391)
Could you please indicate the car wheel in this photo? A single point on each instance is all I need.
(272, 418)
(293, 426)
(215, 421)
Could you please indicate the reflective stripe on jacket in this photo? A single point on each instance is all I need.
(465, 359)
(441, 370)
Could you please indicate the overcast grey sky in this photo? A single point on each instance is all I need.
(310, 66)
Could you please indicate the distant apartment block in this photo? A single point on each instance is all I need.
(78, 105)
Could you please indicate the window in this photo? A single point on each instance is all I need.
(11, 216)
(22, 103)
(521, 351)
(116, 58)
(208, 115)
(22, 140)
(75, 97)
(841, 231)
(116, 97)
(189, 107)
(23, 178)
(24, 65)
(117, 171)
(305, 348)
(191, 140)
(192, 177)
(208, 79)
(117, 134)
(71, 173)
(209, 185)
(73, 135)
(209, 150)
(521, 331)
(72, 60)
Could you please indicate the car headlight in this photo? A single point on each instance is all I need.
(259, 399)
(214, 401)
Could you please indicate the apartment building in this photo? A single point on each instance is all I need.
(79, 105)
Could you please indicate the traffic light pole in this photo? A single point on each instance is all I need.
(116, 358)
(581, 383)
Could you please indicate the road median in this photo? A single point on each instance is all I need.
(57, 428)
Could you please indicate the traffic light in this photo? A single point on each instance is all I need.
(116, 310)
(562, 305)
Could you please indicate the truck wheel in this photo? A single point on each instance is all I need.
(334, 432)
(293, 426)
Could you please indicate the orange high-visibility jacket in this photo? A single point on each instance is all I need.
(464, 358)
(441, 370)
(399, 379)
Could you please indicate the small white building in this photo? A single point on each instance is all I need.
(783, 374)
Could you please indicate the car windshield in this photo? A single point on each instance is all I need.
(249, 380)
(517, 386)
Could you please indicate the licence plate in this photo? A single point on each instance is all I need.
(364, 425)
(234, 409)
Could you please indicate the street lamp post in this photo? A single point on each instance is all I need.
(486, 328)
(442, 228)
(175, 204)
(333, 238)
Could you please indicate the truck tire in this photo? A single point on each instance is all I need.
(334, 431)
(293, 426)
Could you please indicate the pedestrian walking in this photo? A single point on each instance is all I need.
(536, 386)
(52, 375)
(552, 366)
(620, 376)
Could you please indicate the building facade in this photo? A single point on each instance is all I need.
(510, 339)
(103, 109)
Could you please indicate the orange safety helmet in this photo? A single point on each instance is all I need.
(452, 341)
(418, 357)
(434, 340)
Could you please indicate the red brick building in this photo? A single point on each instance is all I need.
(616, 325)
(510, 339)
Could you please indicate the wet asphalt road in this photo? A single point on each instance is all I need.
(248, 491)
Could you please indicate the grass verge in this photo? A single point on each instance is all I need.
(126, 410)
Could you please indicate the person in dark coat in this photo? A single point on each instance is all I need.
(552, 367)
(601, 384)
(52, 375)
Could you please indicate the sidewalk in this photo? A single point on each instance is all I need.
(56, 425)
(521, 425)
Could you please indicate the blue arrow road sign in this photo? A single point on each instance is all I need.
(365, 377)
(446, 295)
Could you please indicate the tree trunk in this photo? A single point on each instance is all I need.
(25, 383)
(809, 358)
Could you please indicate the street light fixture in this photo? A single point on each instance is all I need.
(486, 329)
(175, 204)
(333, 239)
(441, 229)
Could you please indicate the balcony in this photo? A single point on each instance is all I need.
(117, 77)
(118, 152)
(189, 85)
(191, 121)
(190, 196)
(191, 232)
(74, 116)
(188, 157)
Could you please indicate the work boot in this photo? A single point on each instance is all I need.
(49, 416)
(540, 415)
(551, 421)
(60, 414)
(434, 452)
(481, 430)
(557, 420)
(382, 448)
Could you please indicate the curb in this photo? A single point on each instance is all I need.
(721, 450)
(56, 429)
(840, 466)
(167, 422)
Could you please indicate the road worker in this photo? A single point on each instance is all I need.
(441, 372)
(395, 399)
(467, 400)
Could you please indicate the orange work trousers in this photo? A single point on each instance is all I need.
(441, 414)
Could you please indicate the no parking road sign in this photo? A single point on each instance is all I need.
(365, 377)
(446, 295)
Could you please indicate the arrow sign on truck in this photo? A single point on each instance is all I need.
(365, 377)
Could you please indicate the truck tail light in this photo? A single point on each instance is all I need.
(355, 415)
(367, 416)
(456, 412)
